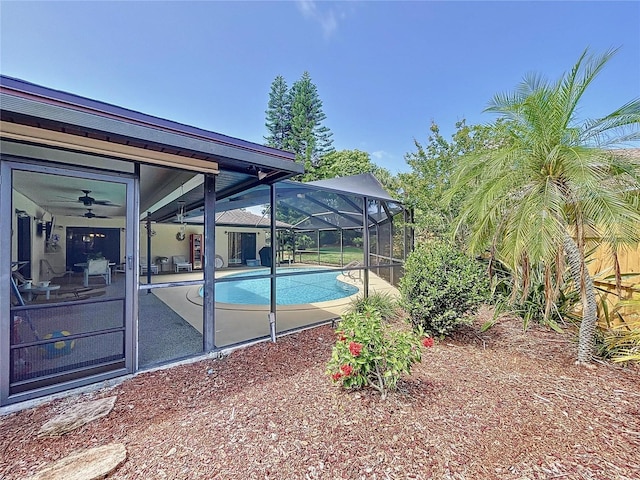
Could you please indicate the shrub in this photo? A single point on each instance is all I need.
(370, 352)
(384, 303)
(534, 306)
(441, 287)
(620, 341)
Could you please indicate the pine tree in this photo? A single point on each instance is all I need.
(278, 114)
(300, 129)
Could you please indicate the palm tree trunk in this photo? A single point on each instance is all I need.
(583, 282)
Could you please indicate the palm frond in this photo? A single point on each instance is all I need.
(550, 187)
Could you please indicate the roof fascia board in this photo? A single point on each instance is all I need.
(26, 89)
(158, 135)
(39, 136)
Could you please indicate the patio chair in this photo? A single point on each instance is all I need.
(180, 263)
(143, 266)
(97, 268)
(47, 271)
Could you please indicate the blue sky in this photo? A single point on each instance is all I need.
(384, 70)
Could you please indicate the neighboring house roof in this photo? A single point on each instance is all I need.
(246, 219)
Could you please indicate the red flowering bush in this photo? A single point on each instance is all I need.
(355, 348)
(427, 342)
(370, 352)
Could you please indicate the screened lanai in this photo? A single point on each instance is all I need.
(130, 241)
(335, 240)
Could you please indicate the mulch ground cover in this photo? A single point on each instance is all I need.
(503, 404)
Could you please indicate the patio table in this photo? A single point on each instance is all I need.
(36, 290)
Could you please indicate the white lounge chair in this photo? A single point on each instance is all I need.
(180, 263)
(143, 266)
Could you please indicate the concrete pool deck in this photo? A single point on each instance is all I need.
(237, 323)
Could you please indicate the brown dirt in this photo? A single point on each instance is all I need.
(501, 404)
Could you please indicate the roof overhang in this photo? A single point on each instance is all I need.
(36, 115)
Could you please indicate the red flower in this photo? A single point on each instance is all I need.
(341, 337)
(346, 370)
(427, 342)
(355, 348)
(336, 376)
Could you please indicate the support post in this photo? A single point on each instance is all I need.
(209, 265)
(148, 249)
(272, 314)
(365, 244)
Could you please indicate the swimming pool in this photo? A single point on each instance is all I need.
(292, 290)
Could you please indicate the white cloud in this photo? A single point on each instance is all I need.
(326, 17)
(380, 154)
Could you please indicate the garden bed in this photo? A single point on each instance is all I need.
(501, 404)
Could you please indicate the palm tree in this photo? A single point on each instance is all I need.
(552, 183)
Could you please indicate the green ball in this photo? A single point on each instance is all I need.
(59, 348)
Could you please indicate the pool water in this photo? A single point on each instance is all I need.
(297, 289)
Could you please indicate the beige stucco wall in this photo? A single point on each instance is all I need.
(165, 244)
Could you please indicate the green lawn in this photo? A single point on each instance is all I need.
(330, 255)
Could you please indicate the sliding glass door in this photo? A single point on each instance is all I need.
(68, 309)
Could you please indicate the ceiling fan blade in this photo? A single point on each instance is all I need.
(105, 203)
(88, 201)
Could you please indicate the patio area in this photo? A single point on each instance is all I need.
(236, 323)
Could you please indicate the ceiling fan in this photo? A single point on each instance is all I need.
(89, 201)
(89, 214)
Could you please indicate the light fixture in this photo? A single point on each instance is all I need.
(180, 215)
(261, 175)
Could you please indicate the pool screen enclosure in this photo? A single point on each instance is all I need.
(350, 227)
(155, 182)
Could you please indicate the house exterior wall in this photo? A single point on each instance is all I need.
(165, 243)
(222, 240)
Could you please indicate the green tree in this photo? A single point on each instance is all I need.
(432, 165)
(278, 112)
(343, 163)
(294, 120)
(309, 138)
(537, 197)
